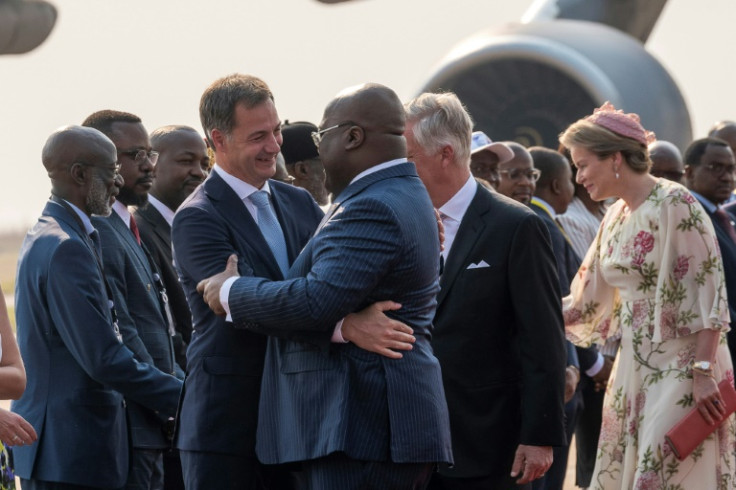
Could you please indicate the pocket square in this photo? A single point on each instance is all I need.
(479, 265)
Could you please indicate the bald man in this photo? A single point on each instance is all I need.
(666, 161)
(77, 366)
(726, 131)
(363, 422)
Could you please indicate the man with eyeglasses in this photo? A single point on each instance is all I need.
(138, 290)
(76, 363)
(240, 209)
(517, 177)
(485, 156)
(354, 419)
(710, 173)
(498, 330)
(666, 161)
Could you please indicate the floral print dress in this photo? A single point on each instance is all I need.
(654, 274)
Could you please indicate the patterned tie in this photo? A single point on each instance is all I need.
(134, 229)
(726, 223)
(271, 229)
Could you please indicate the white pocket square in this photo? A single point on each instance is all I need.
(479, 265)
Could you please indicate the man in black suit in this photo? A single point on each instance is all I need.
(498, 327)
(553, 193)
(710, 172)
(182, 166)
(137, 290)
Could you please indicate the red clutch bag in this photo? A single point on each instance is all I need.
(688, 433)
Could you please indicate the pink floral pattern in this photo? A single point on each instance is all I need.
(656, 279)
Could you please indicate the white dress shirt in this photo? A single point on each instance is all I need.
(452, 212)
(162, 208)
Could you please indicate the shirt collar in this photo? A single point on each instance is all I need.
(122, 211)
(544, 205)
(241, 187)
(88, 228)
(712, 208)
(162, 208)
(380, 166)
(458, 204)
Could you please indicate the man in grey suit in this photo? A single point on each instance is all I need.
(76, 363)
(138, 291)
(498, 327)
(355, 419)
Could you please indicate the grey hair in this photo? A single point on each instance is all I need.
(441, 120)
(219, 100)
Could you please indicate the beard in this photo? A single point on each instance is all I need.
(98, 198)
(130, 198)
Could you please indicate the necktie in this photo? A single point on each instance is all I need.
(271, 229)
(134, 229)
(95, 237)
(725, 220)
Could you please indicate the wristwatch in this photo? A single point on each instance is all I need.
(703, 365)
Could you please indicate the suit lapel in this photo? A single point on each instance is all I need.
(127, 236)
(471, 228)
(159, 224)
(233, 210)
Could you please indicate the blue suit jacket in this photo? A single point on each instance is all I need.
(219, 407)
(379, 244)
(74, 362)
(141, 317)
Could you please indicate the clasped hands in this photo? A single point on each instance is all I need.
(370, 329)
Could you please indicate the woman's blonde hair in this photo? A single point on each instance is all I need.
(604, 143)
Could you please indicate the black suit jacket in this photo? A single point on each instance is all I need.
(499, 337)
(156, 235)
(568, 263)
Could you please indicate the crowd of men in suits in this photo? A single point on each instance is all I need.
(348, 346)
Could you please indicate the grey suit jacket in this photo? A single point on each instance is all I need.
(143, 322)
(379, 244)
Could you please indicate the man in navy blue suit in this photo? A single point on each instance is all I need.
(138, 291)
(219, 410)
(78, 368)
(354, 419)
(710, 173)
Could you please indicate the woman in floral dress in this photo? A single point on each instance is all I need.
(654, 273)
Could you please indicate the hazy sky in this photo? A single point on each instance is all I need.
(154, 59)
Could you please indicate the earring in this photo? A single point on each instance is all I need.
(616, 175)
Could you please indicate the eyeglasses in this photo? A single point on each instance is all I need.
(531, 174)
(141, 155)
(115, 169)
(317, 135)
(718, 168)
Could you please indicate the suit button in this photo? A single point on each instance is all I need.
(148, 287)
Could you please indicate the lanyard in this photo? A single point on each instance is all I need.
(100, 267)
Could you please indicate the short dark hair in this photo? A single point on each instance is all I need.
(103, 120)
(158, 135)
(549, 162)
(696, 150)
(219, 100)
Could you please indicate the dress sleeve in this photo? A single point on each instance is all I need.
(591, 310)
(691, 289)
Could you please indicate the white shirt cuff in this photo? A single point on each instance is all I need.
(594, 369)
(337, 337)
(224, 295)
